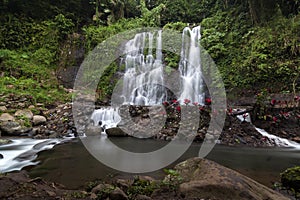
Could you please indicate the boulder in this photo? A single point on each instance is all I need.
(118, 194)
(4, 141)
(5, 117)
(1, 156)
(206, 179)
(92, 130)
(13, 128)
(115, 132)
(38, 120)
(25, 113)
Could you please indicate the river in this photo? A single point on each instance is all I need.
(71, 164)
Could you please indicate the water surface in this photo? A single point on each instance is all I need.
(72, 165)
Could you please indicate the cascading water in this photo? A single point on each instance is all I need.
(144, 75)
(190, 66)
(106, 117)
(143, 78)
(280, 142)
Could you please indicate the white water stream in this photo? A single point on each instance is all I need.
(280, 142)
(22, 152)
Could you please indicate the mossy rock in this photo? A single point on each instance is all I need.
(290, 179)
(4, 141)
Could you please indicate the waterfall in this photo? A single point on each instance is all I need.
(143, 80)
(281, 142)
(190, 66)
(106, 117)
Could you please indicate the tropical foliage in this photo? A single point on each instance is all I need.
(255, 43)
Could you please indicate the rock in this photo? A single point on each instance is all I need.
(124, 184)
(51, 193)
(31, 107)
(118, 194)
(146, 178)
(3, 108)
(93, 196)
(21, 105)
(38, 120)
(1, 156)
(208, 180)
(5, 117)
(142, 197)
(296, 139)
(25, 113)
(102, 187)
(34, 131)
(53, 134)
(13, 128)
(39, 136)
(92, 130)
(115, 132)
(18, 185)
(4, 141)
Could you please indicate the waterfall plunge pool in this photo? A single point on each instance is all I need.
(71, 164)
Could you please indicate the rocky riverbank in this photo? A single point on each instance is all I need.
(192, 179)
(19, 116)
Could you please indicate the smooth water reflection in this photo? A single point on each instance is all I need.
(72, 165)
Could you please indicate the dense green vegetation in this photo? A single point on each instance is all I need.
(290, 179)
(255, 43)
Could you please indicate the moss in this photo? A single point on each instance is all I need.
(290, 179)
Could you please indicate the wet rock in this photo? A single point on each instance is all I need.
(115, 132)
(118, 194)
(13, 128)
(39, 136)
(296, 139)
(25, 113)
(4, 141)
(1, 156)
(53, 134)
(5, 117)
(38, 120)
(209, 180)
(92, 130)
